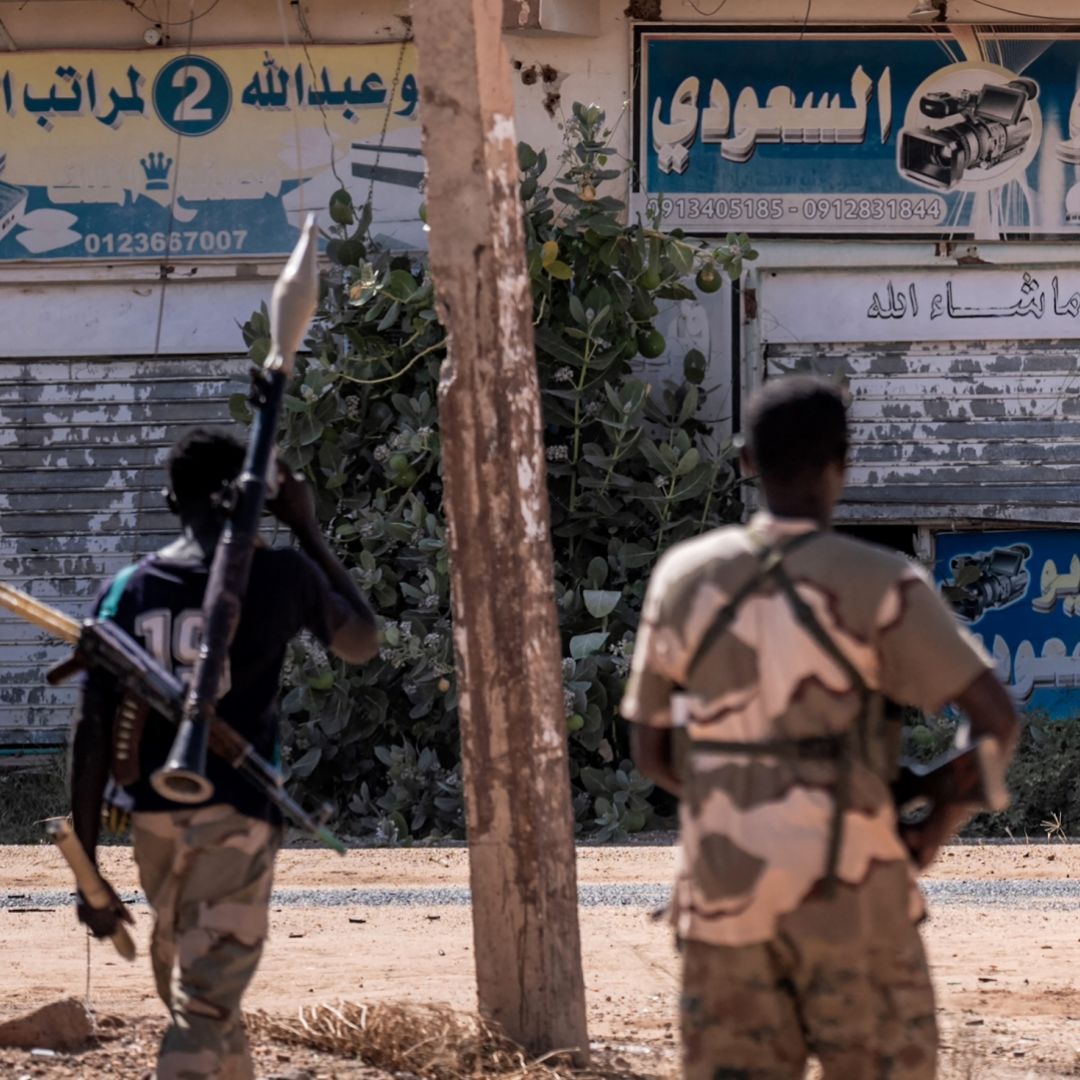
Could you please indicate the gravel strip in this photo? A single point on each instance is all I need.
(632, 896)
(1019, 893)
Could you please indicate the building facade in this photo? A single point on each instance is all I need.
(910, 182)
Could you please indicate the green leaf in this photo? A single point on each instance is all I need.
(259, 350)
(597, 572)
(323, 681)
(635, 556)
(400, 285)
(600, 603)
(689, 405)
(295, 700)
(583, 645)
(653, 456)
(308, 429)
(688, 462)
(682, 256)
(239, 409)
(526, 156)
(306, 765)
(559, 270)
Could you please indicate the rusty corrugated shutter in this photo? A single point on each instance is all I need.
(955, 431)
(82, 444)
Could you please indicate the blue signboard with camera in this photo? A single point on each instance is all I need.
(1020, 593)
(833, 132)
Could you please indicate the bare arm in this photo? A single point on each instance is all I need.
(653, 753)
(990, 709)
(91, 752)
(91, 746)
(356, 640)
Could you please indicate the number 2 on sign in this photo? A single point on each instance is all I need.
(195, 96)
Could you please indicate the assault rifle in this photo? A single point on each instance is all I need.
(102, 645)
(972, 775)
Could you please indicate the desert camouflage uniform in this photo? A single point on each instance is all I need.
(775, 968)
(207, 874)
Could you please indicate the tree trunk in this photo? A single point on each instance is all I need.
(513, 728)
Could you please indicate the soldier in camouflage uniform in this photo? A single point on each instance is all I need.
(207, 870)
(771, 649)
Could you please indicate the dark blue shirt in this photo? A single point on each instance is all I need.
(161, 608)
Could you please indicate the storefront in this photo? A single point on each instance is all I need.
(912, 189)
(914, 192)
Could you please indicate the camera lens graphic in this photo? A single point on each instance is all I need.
(967, 131)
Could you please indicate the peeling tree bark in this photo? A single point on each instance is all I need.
(513, 729)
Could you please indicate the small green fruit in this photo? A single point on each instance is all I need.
(575, 723)
(651, 344)
(709, 279)
(341, 208)
(694, 367)
(345, 252)
(650, 279)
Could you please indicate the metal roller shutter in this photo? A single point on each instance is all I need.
(955, 432)
(82, 443)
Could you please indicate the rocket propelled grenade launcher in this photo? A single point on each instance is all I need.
(102, 644)
(296, 295)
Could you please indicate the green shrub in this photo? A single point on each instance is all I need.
(631, 469)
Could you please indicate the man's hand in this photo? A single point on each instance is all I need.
(102, 922)
(294, 504)
(924, 840)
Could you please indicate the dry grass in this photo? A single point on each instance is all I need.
(425, 1040)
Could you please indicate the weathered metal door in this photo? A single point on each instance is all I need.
(952, 432)
(82, 444)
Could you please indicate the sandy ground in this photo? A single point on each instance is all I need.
(1005, 975)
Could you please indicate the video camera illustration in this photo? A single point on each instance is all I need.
(989, 128)
(984, 581)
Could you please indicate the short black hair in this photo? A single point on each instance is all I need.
(201, 464)
(797, 425)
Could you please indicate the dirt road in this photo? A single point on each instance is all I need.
(1004, 941)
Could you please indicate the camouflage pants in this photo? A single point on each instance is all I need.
(207, 874)
(845, 979)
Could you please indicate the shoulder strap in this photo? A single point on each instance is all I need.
(769, 560)
(112, 598)
(810, 623)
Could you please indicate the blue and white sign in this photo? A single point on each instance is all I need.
(1020, 593)
(834, 132)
